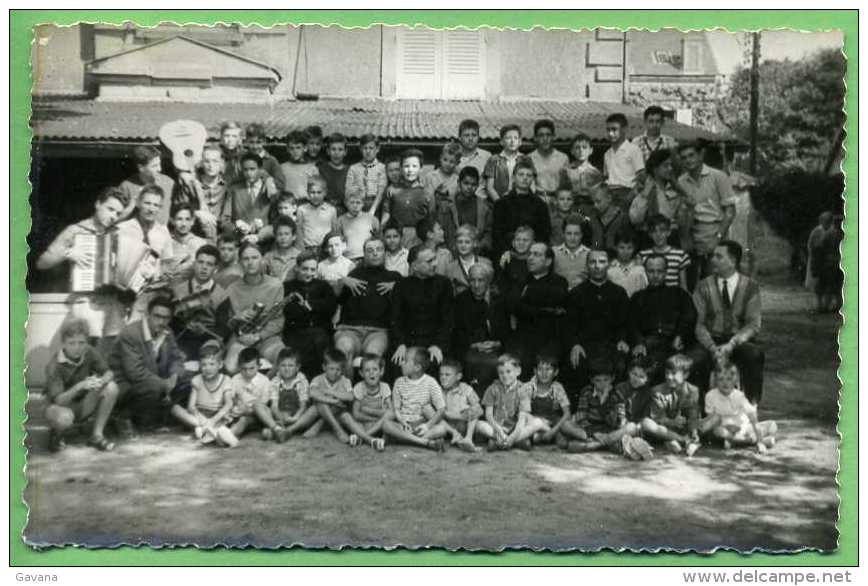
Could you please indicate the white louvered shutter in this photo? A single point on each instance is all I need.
(463, 65)
(418, 71)
(440, 64)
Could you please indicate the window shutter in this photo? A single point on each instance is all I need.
(418, 75)
(692, 60)
(440, 64)
(464, 75)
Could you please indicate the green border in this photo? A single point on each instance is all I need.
(21, 22)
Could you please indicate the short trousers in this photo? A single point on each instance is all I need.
(207, 411)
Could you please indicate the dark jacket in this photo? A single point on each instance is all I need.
(537, 301)
(478, 320)
(133, 362)
(661, 311)
(422, 311)
(321, 298)
(596, 315)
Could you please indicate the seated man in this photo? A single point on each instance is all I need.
(249, 310)
(366, 305)
(596, 321)
(196, 300)
(148, 366)
(662, 319)
(422, 309)
(540, 307)
(481, 327)
(728, 319)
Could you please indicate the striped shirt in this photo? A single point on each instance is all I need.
(676, 261)
(366, 179)
(410, 396)
(377, 400)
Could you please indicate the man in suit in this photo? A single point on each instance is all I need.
(148, 367)
(729, 315)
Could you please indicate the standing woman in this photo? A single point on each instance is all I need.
(248, 300)
(307, 315)
(662, 195)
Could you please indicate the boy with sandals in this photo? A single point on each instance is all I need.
(80, 387)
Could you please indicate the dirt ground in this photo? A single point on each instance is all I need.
(165, 489)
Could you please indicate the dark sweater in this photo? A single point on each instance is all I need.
(336, 182)
(661, 311)
(371, 308)
(596, 315)
(512, 211)
(422, 312)
(320, 297)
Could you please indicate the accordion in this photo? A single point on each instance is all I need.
(114, 260)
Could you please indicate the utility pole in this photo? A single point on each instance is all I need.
(754, 100)
(625, 90)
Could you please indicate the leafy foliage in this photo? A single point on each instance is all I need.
(800, 110)
(792, 200)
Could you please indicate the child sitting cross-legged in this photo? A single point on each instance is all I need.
(210, 396)
(417, 404)
(332, 394)
(636, 390)
(372, 404)
(79, 386)
(507, 409)
(550, 405)
(731, 417)
(601, 412)
(290, 397)
(462, 405)
(251, 391)
(674, 411)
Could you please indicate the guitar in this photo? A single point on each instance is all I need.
(186, 140)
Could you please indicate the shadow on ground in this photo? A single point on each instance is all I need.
(166, 489)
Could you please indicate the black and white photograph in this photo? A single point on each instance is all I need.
(467, 288)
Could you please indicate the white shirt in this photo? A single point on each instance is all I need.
(623, 164)
(731, 284)
(733, 409)
(195, 286)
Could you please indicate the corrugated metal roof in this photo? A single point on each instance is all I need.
(94, 120)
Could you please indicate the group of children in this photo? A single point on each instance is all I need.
(471, 206)
(421, 411)
(316, 201)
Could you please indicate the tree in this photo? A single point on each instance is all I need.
(801, 110)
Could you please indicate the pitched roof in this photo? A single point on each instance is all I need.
(184, 57)
(95, 120)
